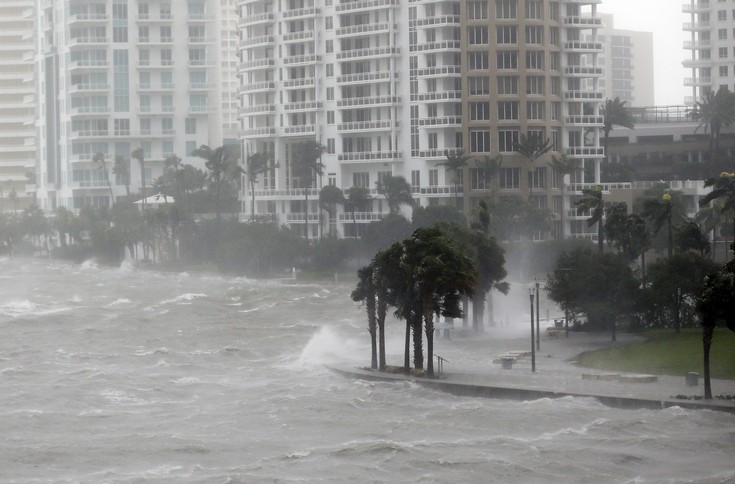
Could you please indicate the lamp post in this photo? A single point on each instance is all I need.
(533, 347)
(538, 319)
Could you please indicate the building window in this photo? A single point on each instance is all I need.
(535, 85)
(330, 146)
(477, 10)
(722, 34)
(507, 34)
(190, 125)
(509, 178)
(122, 127)
(534, 9)
(433, 141)
(506, 9)
(480, 141)
(330, 70)
(329, 46)
(507, 85)
(477, 60)
(330, 94)
(534, 34)
(722, 52)
(723, 71)
(415, 179)
(477, 35)
(535, 109)
(508, 140)
(535, 59)
(330, 117)
(479, 111)
(190, 147)
(507, 110)
(479, 86)
(722, 15)
(537, 178)
(507, 59)
(433, 177)
(361, 179)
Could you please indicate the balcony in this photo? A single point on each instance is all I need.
(301, 59)
(582, 22)
(88, 64)
(262, 86)
(198, 109)
(88, 87)
(368, 101)
(299, 13)
(443, 46)
(303, 106)
(298, 36)
(439, 71)
(360, 217)
(148, 18)
(262, 132)
(261, 40)
(299, 83)
(583, 96)
(201, 40)
(444, 20)
(698, 81)
(363, 156)
(258, 18)
(365, 53)
(200, 17)
(255, 64)
(441, 122)
(364, 77)
(345, 6)
(299, 130)
(437, 96)
(702, 25)
(258, 109)
(354, 30)
(585, 152)
(698, 7)
(88, 18)
(585, 121)
(583, 71)
(697, 44)
(87, 41)
(384, 125)
(583, 47)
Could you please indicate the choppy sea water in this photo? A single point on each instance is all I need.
(124, 375)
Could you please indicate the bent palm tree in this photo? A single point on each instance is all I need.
(356, 198)
(455, 163)
(532, 148)
(329, 197)
(221, 163)
(121, 169)
(660, 211)
(723, 190)
(139, 155)
(255, 165)
(306, 165)
(396, 191)
(365, 292)
(615, 114)
(714, 111)
(100, 158)
(592, 202)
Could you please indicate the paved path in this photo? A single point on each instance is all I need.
(470, 364)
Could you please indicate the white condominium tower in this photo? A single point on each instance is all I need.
(711, 31)
(17, 104)
(117, 75)
(390, 87)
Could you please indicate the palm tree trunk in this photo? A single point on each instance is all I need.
(372, 327)
(670, 250)
(407, 349)
(252, 201)
(418, 344)
(707, 334)
(381, 311)
(429, 329)
(563, 214)
(306, 212)
(600, 237)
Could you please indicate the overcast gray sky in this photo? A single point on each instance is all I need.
(664, 18)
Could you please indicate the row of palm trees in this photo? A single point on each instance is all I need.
(427, 274)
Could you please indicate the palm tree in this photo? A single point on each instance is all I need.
(564, 166)
(592, 202)
(255, 165)
(455, 163)
(365, 292)
(440, 274)
(356, 198)
(489, 167)
(711, 218)
(660, 211)
(723, 189)
(615, 114)
(139, 155)
(628, 233)
(532, 148)
(121, 169)
(329, 197)
(714, 111)
(221, 164)
(396, 191)
(100, 158)
(306, 163)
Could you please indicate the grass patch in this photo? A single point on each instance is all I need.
(666, 353)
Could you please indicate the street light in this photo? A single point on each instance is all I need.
(533, 347)
(538, 319)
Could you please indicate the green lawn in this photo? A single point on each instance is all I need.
(666, 353)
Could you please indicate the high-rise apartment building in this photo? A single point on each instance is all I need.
(711, 31)
(117, 75)
(390, 87)
(628, 64)
(17, 104)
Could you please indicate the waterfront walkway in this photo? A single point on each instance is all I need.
(470, 370)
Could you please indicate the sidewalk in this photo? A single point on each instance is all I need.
(469, 369)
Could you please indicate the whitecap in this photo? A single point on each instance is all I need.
(184, 298)
(119, 301)
(143, 352)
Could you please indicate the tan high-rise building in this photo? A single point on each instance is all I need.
(17, 104)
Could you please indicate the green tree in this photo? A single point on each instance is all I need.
(357, 198)
(222, 171)
(441, 274)
(121, 169)
(366, 292)
(689, 237)
(433, 214)
(628, 233)
(593, 203)
(666, 210)
(532, 148)
(455, 162)
(489, 167)
(100, 158)
(139, 155)
(396, 191)
(329, 197)
(716, 305)
(723, 190)
(714, 111)
(306, 165)
(615, 113)
(564, 166)
(256, 164)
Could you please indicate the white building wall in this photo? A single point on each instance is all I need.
(166, 100)
(17, 104)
